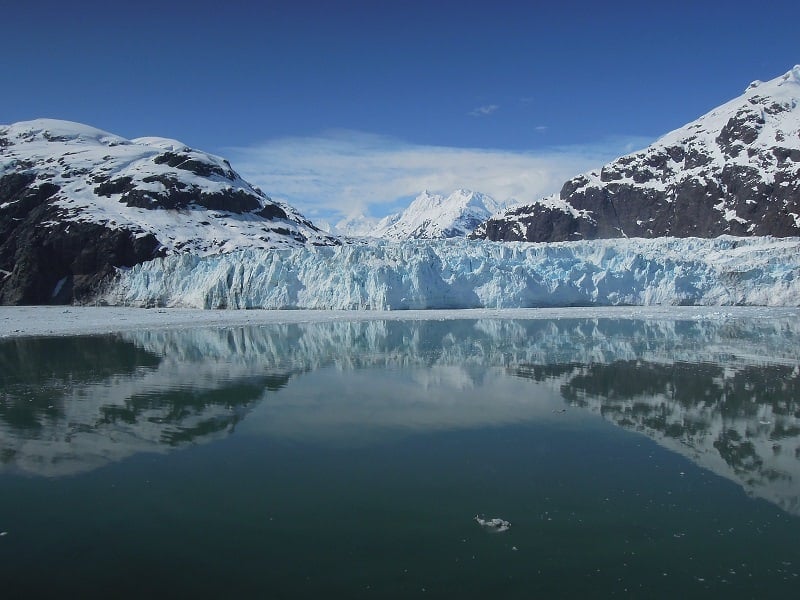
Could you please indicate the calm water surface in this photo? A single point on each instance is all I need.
(632, 458)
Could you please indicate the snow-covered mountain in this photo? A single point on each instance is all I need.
(429, 216)
(735, 170)
(75, 202)
(423, 274)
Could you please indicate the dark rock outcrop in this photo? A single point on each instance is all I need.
(47, 260)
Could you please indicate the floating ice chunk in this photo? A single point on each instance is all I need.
(496, 524)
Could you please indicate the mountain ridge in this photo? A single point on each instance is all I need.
(734, 170)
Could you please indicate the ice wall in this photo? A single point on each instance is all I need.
(472, 274)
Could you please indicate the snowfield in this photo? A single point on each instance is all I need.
(457, 274)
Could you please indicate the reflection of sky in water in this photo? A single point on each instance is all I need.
(723, 393)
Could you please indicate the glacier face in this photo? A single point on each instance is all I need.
(429, 274)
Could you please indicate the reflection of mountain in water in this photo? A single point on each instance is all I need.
(741, 421)
(34, 373)
(723, 392)
(89, 401)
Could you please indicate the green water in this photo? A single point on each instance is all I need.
(632, 458)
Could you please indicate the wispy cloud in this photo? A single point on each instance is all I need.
(541, 128)
(483, 111)
(344, 173)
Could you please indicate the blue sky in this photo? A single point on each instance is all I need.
(353, 105)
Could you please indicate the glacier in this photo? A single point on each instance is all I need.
(430, 274)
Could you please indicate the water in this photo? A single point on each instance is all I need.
(632, 458)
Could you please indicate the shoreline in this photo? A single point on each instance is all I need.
(57, 321)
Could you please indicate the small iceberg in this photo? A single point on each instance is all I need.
(495, 525)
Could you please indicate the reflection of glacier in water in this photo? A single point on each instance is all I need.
(721, 392)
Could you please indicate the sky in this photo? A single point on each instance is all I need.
(349, 106)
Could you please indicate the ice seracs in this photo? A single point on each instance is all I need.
(425, 274)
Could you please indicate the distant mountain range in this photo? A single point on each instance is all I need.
(77, 202)
(735, 170)
(429, 216)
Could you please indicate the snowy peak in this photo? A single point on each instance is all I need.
(735, 170)
(429, 216)
(141, 184)
(459, 200)
(761, 117)
(54, 130)
(792, 77)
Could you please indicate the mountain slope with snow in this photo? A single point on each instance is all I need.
(429, 216)
(76, 202)
(735, 170)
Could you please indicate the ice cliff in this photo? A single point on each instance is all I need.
(472, 274)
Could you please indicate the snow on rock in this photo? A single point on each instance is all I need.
(465, 274)
(429, 216)
(735, 170)
(190, 200)
(75, 202)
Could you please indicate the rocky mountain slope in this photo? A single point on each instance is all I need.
(429, 216)
(735, 170)
(76, 202)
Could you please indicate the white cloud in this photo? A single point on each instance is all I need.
(344, 173)
(483, 111)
